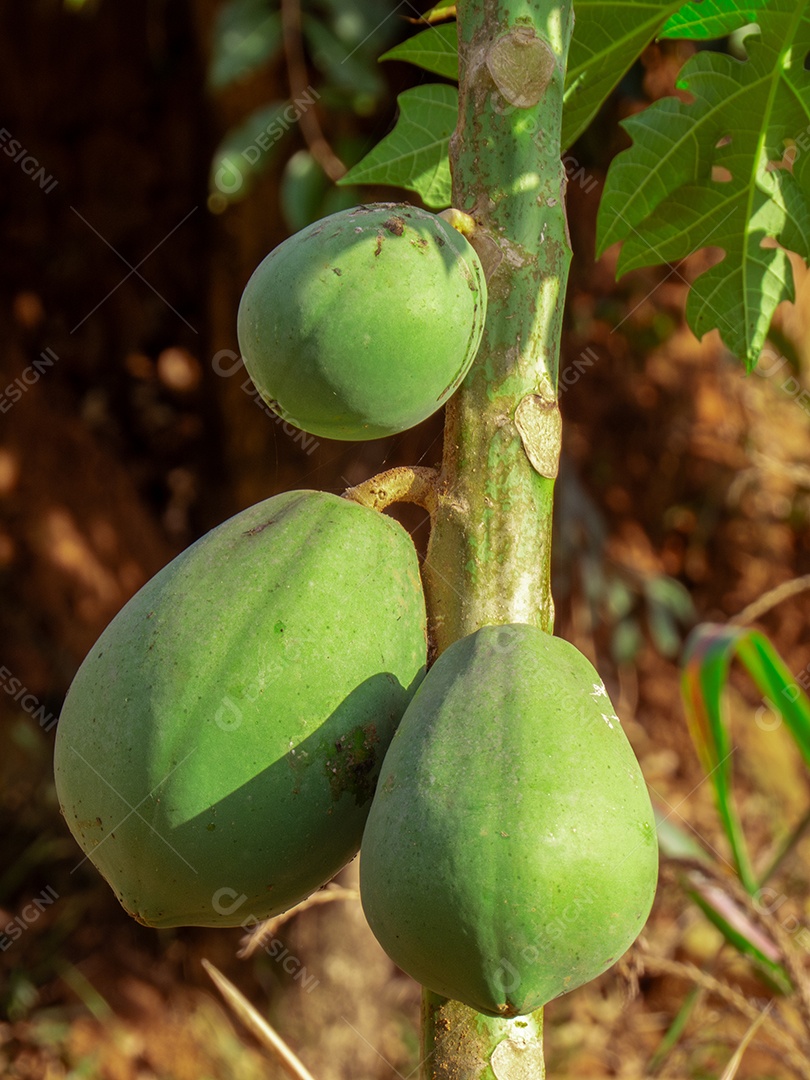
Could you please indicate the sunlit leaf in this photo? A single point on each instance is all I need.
(608, 38)
(709, 173)
(414, 154)
(434, 49)
(703, 20)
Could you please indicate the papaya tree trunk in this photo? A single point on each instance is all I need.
(489, 553)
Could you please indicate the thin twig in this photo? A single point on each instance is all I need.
(770, 599)
(258, 1026)
(298, 77)
(256, 938)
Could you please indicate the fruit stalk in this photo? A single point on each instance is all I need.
(489, 556)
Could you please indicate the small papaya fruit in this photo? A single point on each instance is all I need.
(365, 322)
(510, 854)
(218, 748)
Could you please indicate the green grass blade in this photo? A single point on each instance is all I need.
(708, 655)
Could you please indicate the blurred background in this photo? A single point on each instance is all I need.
(136, 197)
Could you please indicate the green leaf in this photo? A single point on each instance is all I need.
(703, 20)
(708, 654)
(245, 153)
(608, 38)
(740, 931)
(680, 846)
(434, 49)
(247, 34)
(708, 173)
(609, 35)
(414, 154)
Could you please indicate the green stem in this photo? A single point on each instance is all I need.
(489, 554)
(458, 1042)
(490, 547)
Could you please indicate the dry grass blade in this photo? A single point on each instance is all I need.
(791, 1049)
(255, 1023)
(265, 930)
(730, 1070)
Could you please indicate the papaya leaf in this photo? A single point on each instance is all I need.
(714, 173)
(708, 654)
(414, 154)
(608, 37)
(703, 20)
(434, 49)
(247, 33)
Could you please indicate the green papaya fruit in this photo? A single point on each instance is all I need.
(510, 854)
(365, 322)
(219, 747)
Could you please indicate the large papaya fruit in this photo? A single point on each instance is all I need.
(364, 323)
(510, 854)
(218, 749)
